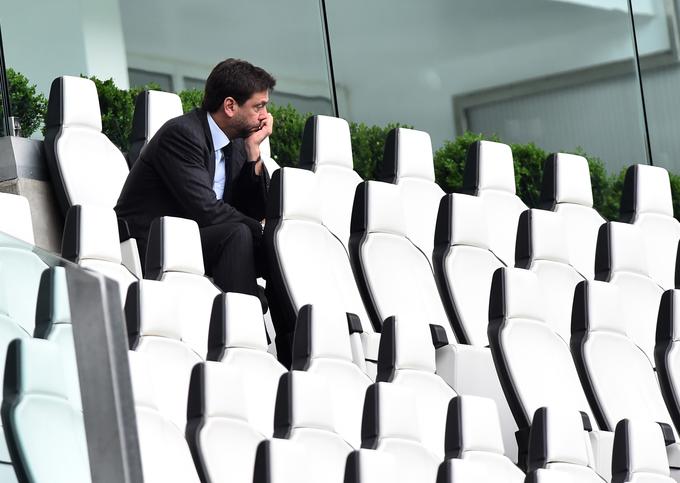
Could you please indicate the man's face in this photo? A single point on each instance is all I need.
(251, 114)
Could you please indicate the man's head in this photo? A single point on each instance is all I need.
(237, 93)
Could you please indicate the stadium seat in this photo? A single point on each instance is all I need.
(534, 363)
(639, 453)
(16, 220)
(395, 277)
(152, 110)
(266, 155)
(618, 377)
(53, 322)
(164, 452)
(558, 445)
(408, 163)
(322, 346)
(369, 466)
(621, 260)
(20, 267)
(155, 329)
(473, 433)
(390, 424)
(461, 471)
(304, 414)
(85, 166)
(490, 174)
(281, 461)
(666, 352)
(174, 256)
(407, 358)
(327, 150)
(90, 239)
(238, 340)
(222, 440)
(309, 264)
(567, 191)
(464, 265)
(646, 202)
(542, 248)
(45, 432)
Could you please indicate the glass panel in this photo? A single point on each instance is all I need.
(285, 38)
(42, 400)
(657, 36)
(557, 73)
(140, 78)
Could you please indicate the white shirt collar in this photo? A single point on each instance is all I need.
(219, 139)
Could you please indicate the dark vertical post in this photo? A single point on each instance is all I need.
(4, 87)
(648, 143)
(331, 73)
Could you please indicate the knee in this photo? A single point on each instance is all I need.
(241, 235)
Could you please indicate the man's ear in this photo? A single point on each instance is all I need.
(229, 106)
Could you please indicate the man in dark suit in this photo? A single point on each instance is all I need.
(206, 166)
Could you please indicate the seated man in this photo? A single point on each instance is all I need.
(206, 166)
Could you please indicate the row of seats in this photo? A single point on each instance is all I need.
(380, 258)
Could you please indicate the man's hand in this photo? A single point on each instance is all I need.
(255, 139)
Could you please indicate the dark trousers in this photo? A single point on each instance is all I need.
(232, 256)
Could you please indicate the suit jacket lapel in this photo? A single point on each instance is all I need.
(210, 161)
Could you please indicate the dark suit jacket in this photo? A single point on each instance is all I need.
(174, 177)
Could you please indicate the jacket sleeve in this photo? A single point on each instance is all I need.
(181, 166)
(250, 191)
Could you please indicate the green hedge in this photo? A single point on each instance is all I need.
(117, 106)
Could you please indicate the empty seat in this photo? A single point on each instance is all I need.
(322, 346)
(464, 265)
(534, 363)
(407, 358)
(394, 275)
(174, 256)
(91, 240)
(222, 440)
(617, 375)
(542, 248)
(667, 352)
(639, 453)
(369, 466)
(238, 340)
(45, 432)
(473, 433)
(267, 159)
(558, 445)
(20, 267)
(152, 110)
(304, 414)
(15, 220)
(327, 150)
(281, 461)
(390, 424)
(621, 260)
(490, 174)
(309, 264)
(163, 450)
(461, 471)
(85, 166)
(567, 191)
(155, 329)
(646, 202)
(408, 163)
(53, 322)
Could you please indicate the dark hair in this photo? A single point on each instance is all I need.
(234, 78)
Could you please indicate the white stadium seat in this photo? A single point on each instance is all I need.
(490, 174)
(646, 202)
(567, 191)
(322, 346)
(639, 453)
(238, 341)
(152, 110)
